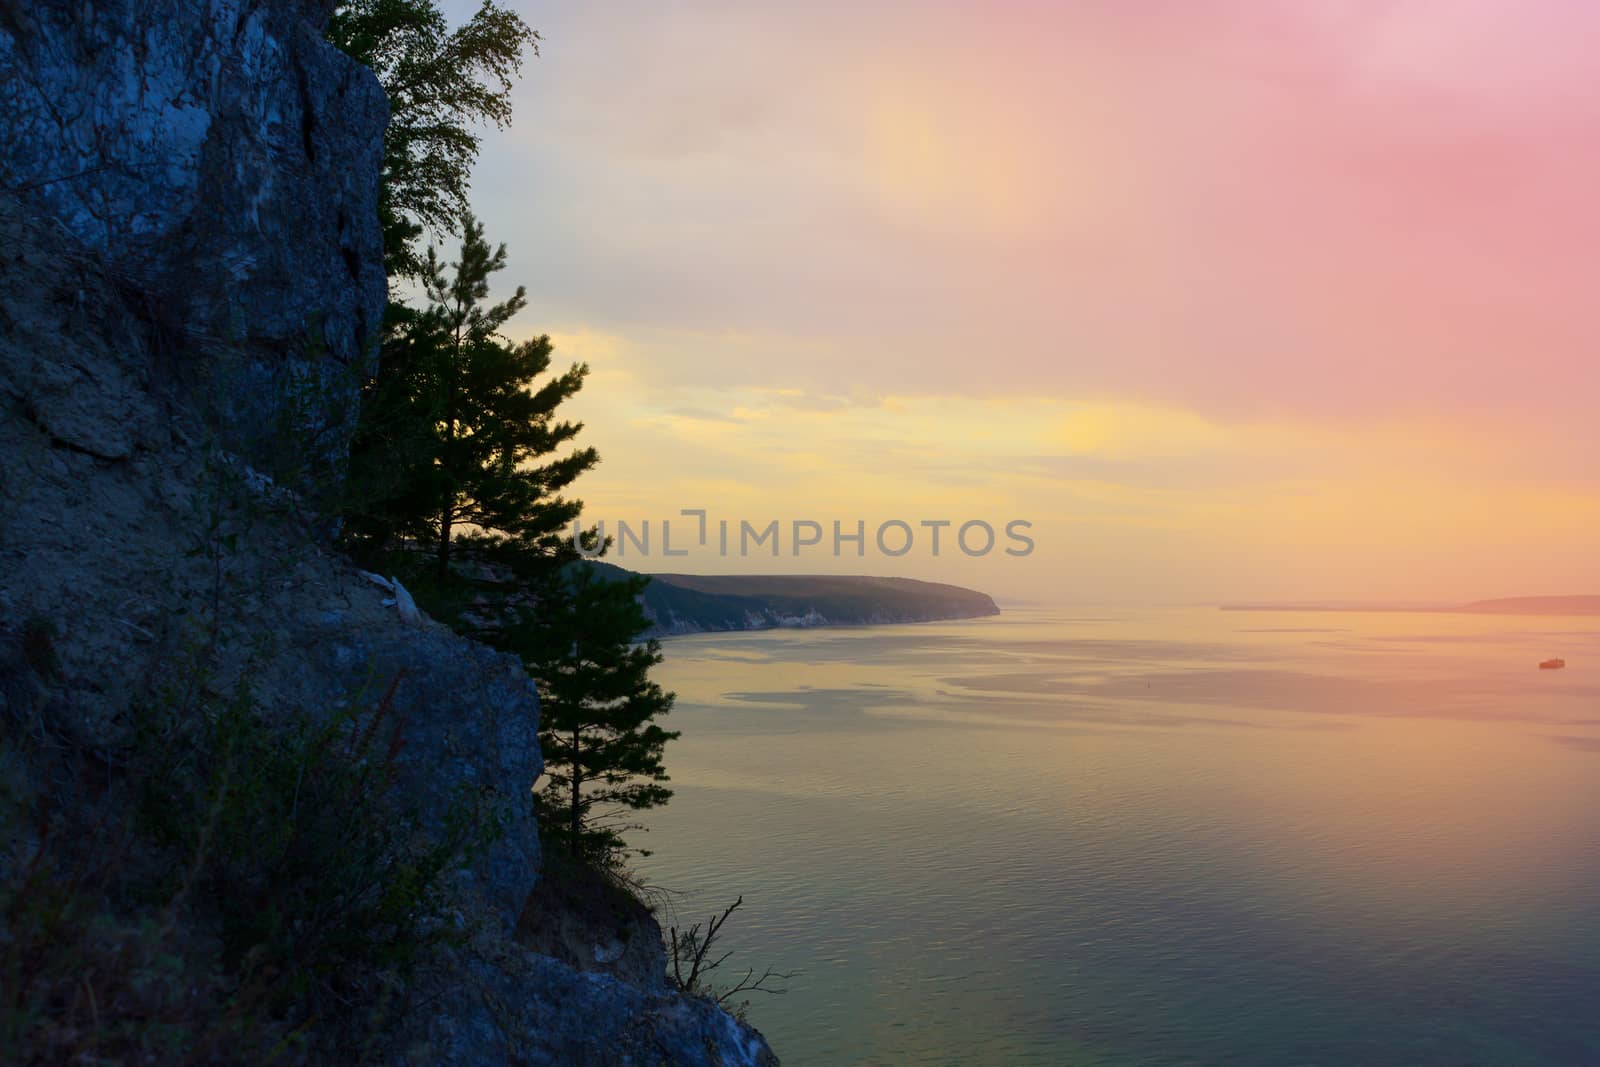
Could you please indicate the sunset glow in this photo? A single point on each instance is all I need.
(1234, 300)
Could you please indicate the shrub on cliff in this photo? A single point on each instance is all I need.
(223, 890)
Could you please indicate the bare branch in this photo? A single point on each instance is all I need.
(759, 985)
(693, 947)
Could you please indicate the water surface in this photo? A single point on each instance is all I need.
(1176, 836)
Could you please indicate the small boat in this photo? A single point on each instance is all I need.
(1552, 664)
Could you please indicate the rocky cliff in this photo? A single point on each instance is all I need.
(190, 290)
(220, 157)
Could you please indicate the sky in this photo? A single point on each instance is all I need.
(1242, 300)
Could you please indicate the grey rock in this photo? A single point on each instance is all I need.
(224, 160)
(531, 1010)
(191, 281)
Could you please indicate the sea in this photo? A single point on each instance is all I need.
(1163, 836)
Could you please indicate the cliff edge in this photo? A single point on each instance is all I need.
(190, 292)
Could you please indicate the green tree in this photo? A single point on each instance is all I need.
(456, 440)
(602, 747)
(457, 432)
(389, 480)
(442, 85)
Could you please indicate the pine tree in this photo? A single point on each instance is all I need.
(389, 487)
(455, 424)
(458, 444)
(602, 747)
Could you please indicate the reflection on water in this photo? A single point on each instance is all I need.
(1157, 837)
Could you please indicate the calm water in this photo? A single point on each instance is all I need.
(1158, 837)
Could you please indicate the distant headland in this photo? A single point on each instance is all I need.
(1535, 605)
(1517, 605)
(701, 603)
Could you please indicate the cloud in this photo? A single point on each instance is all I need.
(1133, 262)
(1330, 209)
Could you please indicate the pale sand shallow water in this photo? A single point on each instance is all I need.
(1177, 836)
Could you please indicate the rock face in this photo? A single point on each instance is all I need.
(223, 159)
(190, 283)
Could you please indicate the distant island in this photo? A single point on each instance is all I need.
(1535, 605)
(702, 603)
(1517, 605)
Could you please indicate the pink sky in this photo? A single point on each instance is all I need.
(1233, 299)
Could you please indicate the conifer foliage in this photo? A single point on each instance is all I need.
(460, 434)
(444, 85)
(460, 464)
(602, 747)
